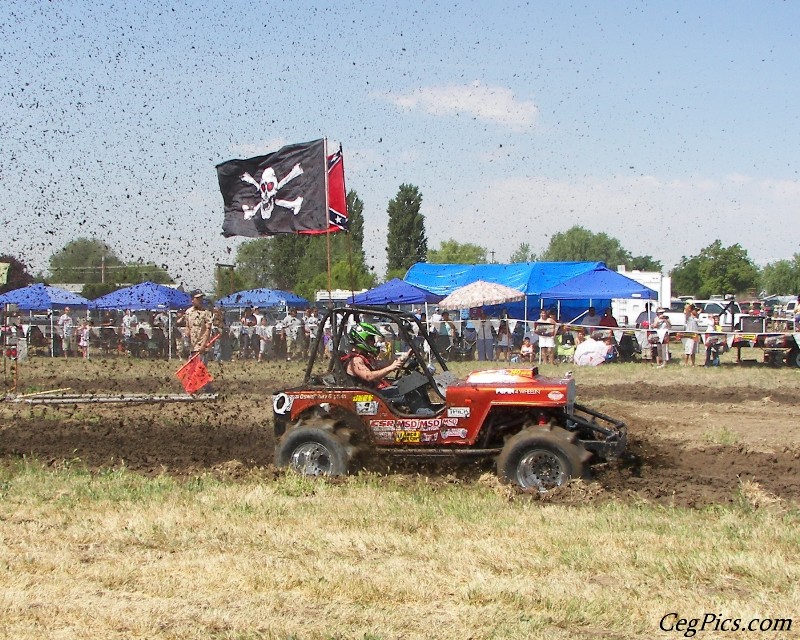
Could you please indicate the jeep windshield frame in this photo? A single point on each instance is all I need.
(338, 319)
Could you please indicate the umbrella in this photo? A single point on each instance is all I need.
(479, 294)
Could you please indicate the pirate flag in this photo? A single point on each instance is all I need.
(282, 192)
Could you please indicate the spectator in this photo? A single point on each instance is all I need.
(592, 351)
(503, 341)
(608, 320)
(292, 327)
(66, 327)
(248, 343)
(263, 333)
(435, 321)
(526, 353)
(485, 337)
(128, 327)
(83, 338)
(715, 343)
(692, 327)
(646, 317)
(546, 330)
(311, 328)
(447, 333)
(591, 319)
(662, 327)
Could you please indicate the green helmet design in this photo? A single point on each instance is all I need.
(358, 337)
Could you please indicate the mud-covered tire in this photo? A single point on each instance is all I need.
(541, 460)
(793, 358)
(313, 451)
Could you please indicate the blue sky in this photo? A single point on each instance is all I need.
(664, 124)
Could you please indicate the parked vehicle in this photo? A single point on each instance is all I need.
(533, 426)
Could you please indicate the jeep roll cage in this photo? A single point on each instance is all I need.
(339, 318)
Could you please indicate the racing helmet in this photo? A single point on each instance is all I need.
(358, 337)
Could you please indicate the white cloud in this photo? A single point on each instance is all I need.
(493, 104)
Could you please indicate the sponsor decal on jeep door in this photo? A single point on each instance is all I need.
(408, 437)
(458, 412)
(390, 430)
(367, 408)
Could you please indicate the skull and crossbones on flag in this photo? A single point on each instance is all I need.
(282, 192)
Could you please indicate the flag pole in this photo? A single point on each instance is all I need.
(327, 222)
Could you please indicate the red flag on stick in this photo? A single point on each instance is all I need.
(194, 375)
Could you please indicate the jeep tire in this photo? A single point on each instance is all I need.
(541, 460)
(793, 358)
(313, 451)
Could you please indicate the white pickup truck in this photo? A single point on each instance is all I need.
(708, 308)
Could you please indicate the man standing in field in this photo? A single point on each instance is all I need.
(67, 326)
(198, 323)
(292, 329)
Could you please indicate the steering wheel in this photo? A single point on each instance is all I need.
(410, 364)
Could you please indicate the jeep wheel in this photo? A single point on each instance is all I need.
(313, 451)
(793, 358)
(541, 460)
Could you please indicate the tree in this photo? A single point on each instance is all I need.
(782, 277)
(18, 275)
(452, 252)
(406, 239)
(90, 261)
(644, 263)
(299, 263)
(717, 270)
(580, 244)
(524, 253)
(85, 260)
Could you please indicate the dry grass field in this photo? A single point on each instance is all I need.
(169, 521)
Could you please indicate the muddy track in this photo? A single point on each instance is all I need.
(235, 432)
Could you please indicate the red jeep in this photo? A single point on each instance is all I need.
(532, 425)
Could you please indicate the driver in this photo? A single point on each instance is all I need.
(361, 362)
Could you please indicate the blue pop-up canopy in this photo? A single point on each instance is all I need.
(262, 298)
(39, 297)
(146, 295)
(599, 283)
(395, 291)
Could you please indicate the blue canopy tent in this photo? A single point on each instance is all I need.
(147, 295)
(572, 285)
(395, 291)
(262, 298)
(595, 288)
(40, 297)
(529, 277)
